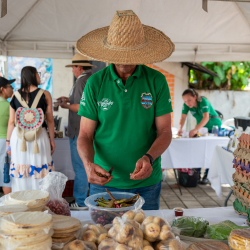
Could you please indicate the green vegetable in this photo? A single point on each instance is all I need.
(222, 230)
(191, 226)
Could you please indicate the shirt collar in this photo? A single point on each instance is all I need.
(84, 73)
(2, 99)
(114, 77)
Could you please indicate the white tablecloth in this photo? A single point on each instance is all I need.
(212, 215)
(62, 158)
(191, 152)
(221, 169)
(182, 153)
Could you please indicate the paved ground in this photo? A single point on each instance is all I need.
(198, 197)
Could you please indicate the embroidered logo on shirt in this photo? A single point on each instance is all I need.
(146, 100)
(105, 104)
(193, 112)
(169, 100)
(205, 107)
(82, 102)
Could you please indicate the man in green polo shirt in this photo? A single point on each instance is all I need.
(126, 120)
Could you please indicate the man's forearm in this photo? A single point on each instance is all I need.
(86, 150)
(160, 144)
(74, 107)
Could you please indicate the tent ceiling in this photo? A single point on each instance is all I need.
(49, 28)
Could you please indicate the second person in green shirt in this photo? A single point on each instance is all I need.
(203, 112)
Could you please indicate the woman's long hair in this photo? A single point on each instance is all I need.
(193, 93)
(28, 78)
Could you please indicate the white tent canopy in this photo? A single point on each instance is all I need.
(50, 28)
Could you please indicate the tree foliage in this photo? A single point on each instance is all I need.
(231, 76)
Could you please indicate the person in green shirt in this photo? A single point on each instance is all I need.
(6, 91)
(203, 112)
(125, 109)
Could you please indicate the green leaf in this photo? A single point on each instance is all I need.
(244, 80)
(226, 65)
(205, 76)
(217, 81)
(235, 77)
(207, 63)
(220, 72)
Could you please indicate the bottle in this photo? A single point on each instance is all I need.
(215, 130)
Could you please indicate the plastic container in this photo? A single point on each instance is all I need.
(55, 105)
(104, 216)
(178, 211)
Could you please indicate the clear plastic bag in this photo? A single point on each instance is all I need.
(209, 245)
(66, 229)
(26, 229)
(23, 223)
(190, 226)
(239, 239)
(95, 234)
(170, 244)
(80, 245)
(10, 209)
(222, 230)
(33, 199)
(137, 215)
(156, 228)
(12, 242)
(54, 183)
(45, 245)
(111, 244)
(127, 232)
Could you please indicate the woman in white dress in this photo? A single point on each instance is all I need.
(27, 168)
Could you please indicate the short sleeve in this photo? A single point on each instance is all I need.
(185, 109)
(88, 105)
(205, 105)
(80, 85)
(12, 102)
(163, 99)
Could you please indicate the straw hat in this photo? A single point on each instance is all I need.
(80, 60)
(126, 41)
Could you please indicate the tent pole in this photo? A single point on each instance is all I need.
(21, 20)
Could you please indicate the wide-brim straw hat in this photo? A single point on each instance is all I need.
(80, 60)
(126, 41)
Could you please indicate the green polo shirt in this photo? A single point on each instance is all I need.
(203, 107)
(126, 120)
(4, 117)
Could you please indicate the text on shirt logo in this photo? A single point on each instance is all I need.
(105, 104)
(82, 102)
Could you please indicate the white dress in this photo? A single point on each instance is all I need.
(26, 168)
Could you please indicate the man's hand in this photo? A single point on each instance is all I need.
(63, 99)
(63, 104)
(142, 170)
(192, 133)
(92, 169)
